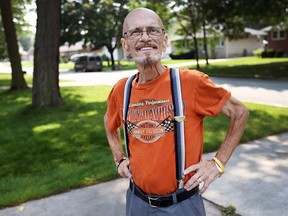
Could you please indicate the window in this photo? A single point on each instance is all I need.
(219, 42)
(278, 35)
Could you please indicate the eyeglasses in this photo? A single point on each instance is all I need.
(153, 32)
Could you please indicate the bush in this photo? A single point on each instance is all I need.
(279, 53)
(258, 52)
(64, 59)
(183, 55)
(272, 54)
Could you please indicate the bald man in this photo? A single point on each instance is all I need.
(150, 125)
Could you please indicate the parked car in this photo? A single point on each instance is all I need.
(88, 62)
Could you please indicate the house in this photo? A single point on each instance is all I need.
(78, 48)
(277, 38)
(218, 47)
(67, 50)
(222, 47)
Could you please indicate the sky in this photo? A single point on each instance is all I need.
(31, 16)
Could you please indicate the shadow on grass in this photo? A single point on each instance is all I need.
(5, 82)
(45, 151)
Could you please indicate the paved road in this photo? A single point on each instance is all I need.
(263, 91)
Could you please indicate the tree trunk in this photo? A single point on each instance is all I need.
(18, 81)
(194, 30)
(205, 44)
(46, 91)
(196, 46)
(111, 50)
(196, 52)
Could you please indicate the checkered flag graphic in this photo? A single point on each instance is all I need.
(168, 124)
(130, 127)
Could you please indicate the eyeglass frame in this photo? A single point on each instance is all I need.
(142, 32)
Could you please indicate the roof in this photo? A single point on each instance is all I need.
(255, 32)
(280, 26)
(76, 47)
(250, 31)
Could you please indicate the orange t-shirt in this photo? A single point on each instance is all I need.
(150, 125)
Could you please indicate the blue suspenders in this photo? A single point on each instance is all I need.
(127, 94)
(178, 124)
(178, 121)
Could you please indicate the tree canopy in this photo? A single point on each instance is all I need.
(97, 23)
(19, 10)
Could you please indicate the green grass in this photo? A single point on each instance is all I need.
(48, 151)
(263, 121)
(5, 79)
(250, 67)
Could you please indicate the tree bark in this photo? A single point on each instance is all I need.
(111, 50)
(195, 45)
(46, 91)
(205, 44)
(18, 81)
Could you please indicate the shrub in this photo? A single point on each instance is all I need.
(258, 52)
(272, 54)
(183, 55)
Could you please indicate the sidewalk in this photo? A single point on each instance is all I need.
(255, 183)
(104, 199)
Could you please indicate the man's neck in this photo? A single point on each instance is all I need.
(147, 74)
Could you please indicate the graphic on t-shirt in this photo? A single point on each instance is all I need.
(148, 120)
(150, 131)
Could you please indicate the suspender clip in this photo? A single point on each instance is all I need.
(180, 184)
(179, 118)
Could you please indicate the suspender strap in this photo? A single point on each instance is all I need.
(127, 94)
(178, 124)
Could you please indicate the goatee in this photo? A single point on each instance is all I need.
(149, 61)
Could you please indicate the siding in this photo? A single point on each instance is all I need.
(278, 44)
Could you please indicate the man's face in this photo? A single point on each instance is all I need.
(144, 38)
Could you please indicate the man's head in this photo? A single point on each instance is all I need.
(144, 38)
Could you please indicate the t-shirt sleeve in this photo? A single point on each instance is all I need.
(209, 98)
(114, 107)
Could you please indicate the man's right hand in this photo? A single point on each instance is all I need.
(124, 170)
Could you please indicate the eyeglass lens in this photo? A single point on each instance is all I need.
(150, 31)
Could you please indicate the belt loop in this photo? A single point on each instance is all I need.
(132, 185)
(174, 195)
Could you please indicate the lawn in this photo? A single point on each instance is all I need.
(48, 151)
(250, 67)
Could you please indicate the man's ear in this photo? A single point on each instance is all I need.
(125, 46)
(165, 42)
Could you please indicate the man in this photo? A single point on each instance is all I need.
(151, 165)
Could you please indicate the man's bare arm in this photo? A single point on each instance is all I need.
(206, 170)
(114, 141)
(238, 115)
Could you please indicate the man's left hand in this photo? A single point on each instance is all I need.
(206, 173)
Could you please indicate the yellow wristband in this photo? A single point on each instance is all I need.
(219, 165)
